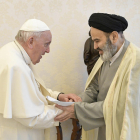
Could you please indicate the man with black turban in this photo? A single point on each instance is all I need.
(111, 100)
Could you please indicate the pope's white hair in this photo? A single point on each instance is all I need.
(22, 36)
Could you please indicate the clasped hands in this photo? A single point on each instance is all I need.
(68, 111)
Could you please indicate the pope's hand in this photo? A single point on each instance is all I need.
(68, 112)
(69, 97)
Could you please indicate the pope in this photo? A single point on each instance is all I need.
(24, 111)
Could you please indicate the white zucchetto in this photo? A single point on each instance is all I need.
(34, 25)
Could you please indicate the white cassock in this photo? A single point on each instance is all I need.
(24, 111)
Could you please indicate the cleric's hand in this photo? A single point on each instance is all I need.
(68, 112)
(67, 97)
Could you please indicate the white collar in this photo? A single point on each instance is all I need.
(116, 55)
(24, 53)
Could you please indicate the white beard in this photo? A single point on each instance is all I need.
(108, 50)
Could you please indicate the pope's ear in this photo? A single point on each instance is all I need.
(114, 37)
(30, 42)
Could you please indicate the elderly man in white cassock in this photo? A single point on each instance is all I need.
(24, 111)
(110, 106)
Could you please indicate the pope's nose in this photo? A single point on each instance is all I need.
(47, 50)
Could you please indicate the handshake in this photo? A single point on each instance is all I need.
(68, 111)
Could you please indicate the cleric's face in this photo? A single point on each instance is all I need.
(103, 44)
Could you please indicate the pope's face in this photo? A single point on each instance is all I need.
(103, 44)
(41, 45)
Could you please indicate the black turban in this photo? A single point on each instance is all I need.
(107, 22)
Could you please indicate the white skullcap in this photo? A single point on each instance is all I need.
(34, 25)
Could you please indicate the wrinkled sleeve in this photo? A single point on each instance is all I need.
(42, 121)
(90, 112)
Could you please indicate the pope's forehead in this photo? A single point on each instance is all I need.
(46, 35)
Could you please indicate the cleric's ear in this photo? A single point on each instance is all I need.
(114, 37)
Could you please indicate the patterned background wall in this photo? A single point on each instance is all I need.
(63, 69)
